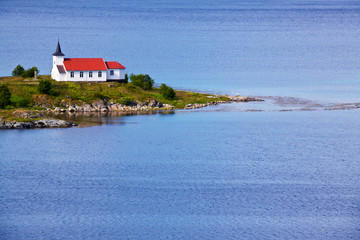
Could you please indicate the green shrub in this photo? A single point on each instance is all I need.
(29, 73)
(167, 92)
(125, 101)
(18, 101)
(5, 96)
(44, 86)
(18, 70)
(143, 81)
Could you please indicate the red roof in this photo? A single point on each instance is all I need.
(84, 64)
(114, 65)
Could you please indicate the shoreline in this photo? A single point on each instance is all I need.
(83, 116)
(42, 120)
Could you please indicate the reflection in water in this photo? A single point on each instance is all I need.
(86, 119)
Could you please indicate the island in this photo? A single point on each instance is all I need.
(41, 102)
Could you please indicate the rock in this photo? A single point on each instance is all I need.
(86, 107)
(66, 102)
(153, 103)
(53, 123)
(20, 125)
(27, 114)
(167, 106)
(98, 105)
(71, 109)
(43, 100)
(44, 123)
(5, 125)
(243, 99)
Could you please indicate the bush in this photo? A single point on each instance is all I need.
(5, 96)
(29, 73)
(125, 101)
(166, 91)
(44, 86)
(143, 81)
(18, 101)
(18, 71)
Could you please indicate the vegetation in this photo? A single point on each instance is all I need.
(143, 81)
(5, 96)
(125, 101)
(44, 86)
(30, 73)
(19, 102)
(166, 91)
(17, 92)
(20, 71)
(126, 80)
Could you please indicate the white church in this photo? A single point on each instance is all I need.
(85, 69)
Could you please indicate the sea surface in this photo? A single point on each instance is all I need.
(285, 168)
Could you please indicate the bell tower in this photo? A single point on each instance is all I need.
(58, 59)
(58, 56)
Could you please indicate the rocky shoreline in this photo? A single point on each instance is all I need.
(34, 120)
(104, 106)
(43, 123)
(97, 106)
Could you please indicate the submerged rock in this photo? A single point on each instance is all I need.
(244, 99)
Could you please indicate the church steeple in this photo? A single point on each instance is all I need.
(58, 50)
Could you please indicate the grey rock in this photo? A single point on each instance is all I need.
(167, 106)
(53, 123)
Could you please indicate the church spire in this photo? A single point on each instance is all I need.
(58, 50)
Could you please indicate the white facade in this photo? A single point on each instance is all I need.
(115, 74)
(81, 76)
(57, 60)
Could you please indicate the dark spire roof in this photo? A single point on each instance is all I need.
(58, 50)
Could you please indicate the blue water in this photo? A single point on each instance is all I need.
(214, 173)
(188, 175)
(295, 48)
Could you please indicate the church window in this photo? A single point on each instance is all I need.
(81, 74)
(72, 74)
(111, 72)
(90, 74)
(99, 74)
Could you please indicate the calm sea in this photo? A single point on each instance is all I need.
(218, 173)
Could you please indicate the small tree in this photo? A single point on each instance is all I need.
(18, 70)
(143, 81)
(5, 96)
(29, 73)
(44, 86)
(166, 91)
(126, 80)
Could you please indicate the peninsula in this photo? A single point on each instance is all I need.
(39, 103)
